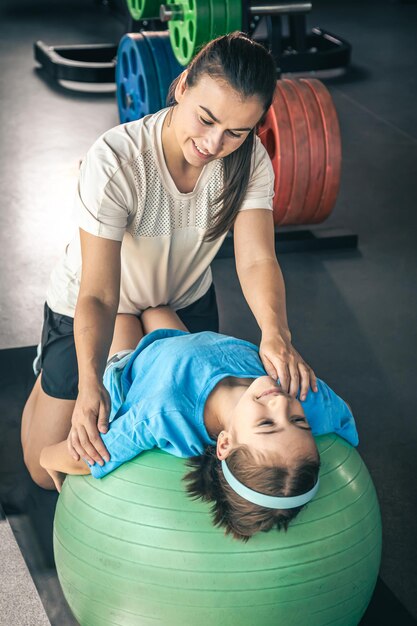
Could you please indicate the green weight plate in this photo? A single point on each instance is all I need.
(143, 9)
(234, 15)
(135, 8)
(192, 30)
(218, 18)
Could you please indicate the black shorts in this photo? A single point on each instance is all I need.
(58, 357)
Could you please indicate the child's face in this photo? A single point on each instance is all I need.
(268, 419)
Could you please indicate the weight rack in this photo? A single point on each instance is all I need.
(280, 26)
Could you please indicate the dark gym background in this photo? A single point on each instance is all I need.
(352, 313)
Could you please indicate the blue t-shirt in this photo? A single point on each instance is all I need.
(159, 391)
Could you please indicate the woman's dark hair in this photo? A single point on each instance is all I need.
(241, 518)
(250, 70)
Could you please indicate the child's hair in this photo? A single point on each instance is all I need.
(241, 518)
(251, 71)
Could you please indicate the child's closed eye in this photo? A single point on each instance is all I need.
(266, 422)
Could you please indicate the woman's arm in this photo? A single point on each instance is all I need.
(259, 273)
(263, 287)
(93, 330)
(97, 304)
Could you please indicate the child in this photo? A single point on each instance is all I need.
(207, 396)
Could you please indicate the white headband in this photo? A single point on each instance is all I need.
(261, 499)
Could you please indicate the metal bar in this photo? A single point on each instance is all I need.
(298, 30)
(274, 30)
(171, 12)
(176, 11)
(89, 63)
(280, 9)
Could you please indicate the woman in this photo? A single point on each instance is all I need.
(156, 198)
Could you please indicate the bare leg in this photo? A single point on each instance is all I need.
(128, 332)
(45, 421)
(161, 317)
(28, 410)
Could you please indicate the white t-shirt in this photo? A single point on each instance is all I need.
(126, 193)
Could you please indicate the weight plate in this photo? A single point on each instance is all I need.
(218, 18)
(157, 50)
(143, 9)
(269, 135)
(136, 81)
(333, 149)
(233, 15)
(287, 157)
(173, 68)
(135, 8)
(317, 146)
(192, 30)
(301, 172)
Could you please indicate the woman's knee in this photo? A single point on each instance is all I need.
(46, 421)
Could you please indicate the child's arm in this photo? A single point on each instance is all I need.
(58, 462)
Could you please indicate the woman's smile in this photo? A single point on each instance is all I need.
(199, 152)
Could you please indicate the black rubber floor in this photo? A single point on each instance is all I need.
(352, 314)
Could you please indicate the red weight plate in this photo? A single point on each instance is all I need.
(317, 147)
(333, 149)
(268, 134)
(301, 172)
(286, 155)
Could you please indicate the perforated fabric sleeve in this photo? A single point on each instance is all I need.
(106, 197)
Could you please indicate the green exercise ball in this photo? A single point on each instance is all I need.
(133, 549)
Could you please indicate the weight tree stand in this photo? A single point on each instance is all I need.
(282, 26)
(294, 51)
(293, 48)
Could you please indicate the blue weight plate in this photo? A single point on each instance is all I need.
(136, 81)
(157, 49)
(176, 67)
(172, 67)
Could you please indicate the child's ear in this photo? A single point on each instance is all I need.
(224, 445)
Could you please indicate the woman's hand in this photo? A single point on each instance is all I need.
(281, 360)
(89, 419)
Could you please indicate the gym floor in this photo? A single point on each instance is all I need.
(352, 313)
